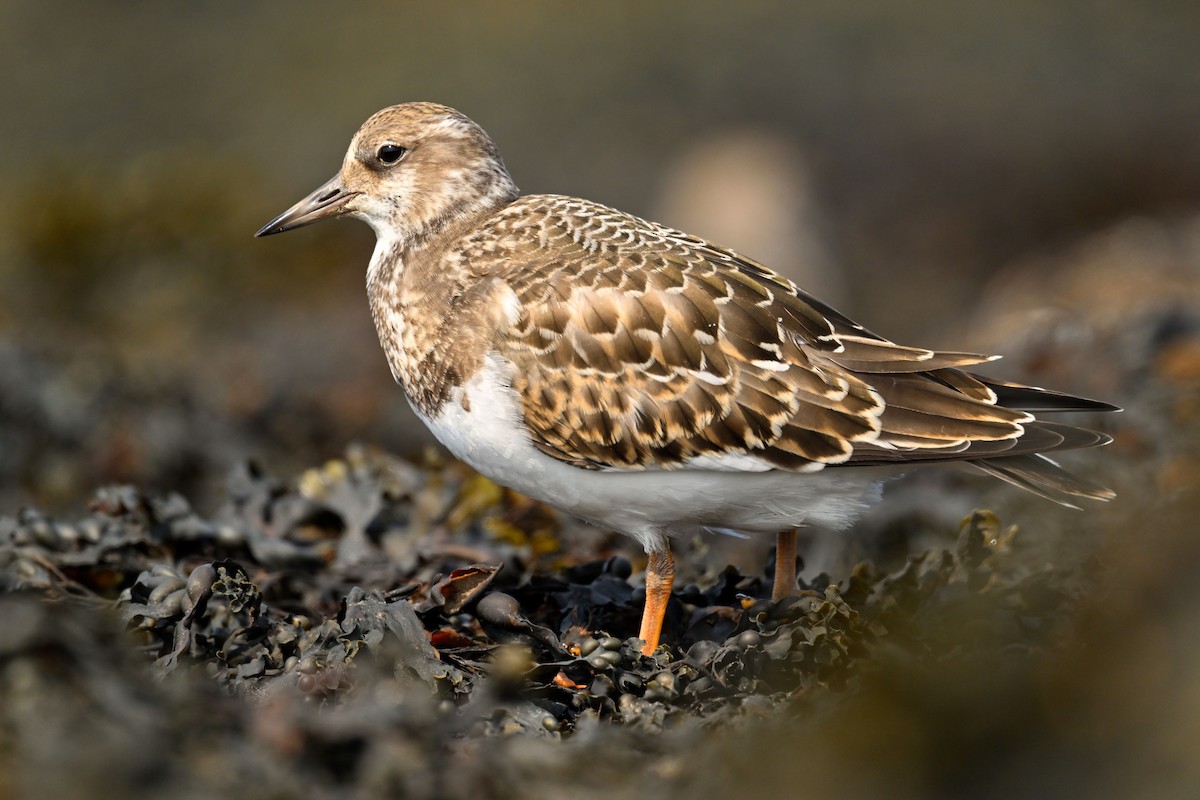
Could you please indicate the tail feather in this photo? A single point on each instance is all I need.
(1044, 477)
(1034, 471)
(1038, 437)
(1019, 460)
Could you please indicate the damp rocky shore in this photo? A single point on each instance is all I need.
(374, 627)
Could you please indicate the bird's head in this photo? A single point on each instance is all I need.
(411, 169)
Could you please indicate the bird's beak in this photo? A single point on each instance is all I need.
(327, 201)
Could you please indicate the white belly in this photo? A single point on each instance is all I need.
(650, 505)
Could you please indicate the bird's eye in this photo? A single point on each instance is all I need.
(390, 153)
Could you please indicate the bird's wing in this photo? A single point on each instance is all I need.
(635, 345)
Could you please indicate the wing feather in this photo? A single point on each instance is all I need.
(636, 346)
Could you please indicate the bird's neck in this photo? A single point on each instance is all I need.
(417, 295)
(408, 259)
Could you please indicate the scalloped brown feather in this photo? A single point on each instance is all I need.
(635, 345)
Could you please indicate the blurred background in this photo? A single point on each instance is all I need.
(1019, 178)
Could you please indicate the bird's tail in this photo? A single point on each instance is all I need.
(1044, 477)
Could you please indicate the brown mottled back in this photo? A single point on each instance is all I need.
(636, 345)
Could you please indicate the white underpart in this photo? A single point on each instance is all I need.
(649, 505)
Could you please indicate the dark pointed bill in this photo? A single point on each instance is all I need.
(327, 201)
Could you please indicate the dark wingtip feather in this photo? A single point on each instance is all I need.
(1032, 398)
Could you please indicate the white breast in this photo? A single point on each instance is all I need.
(481, 424)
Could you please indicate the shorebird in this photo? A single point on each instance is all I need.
(642, 378)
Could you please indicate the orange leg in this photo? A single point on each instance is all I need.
(785, 565)
(660, 576)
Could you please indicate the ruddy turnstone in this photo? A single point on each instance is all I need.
(642, 378)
